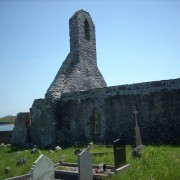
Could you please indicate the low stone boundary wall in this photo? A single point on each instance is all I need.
(5, 137)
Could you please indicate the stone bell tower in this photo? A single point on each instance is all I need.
(82, 36)
(79, 71)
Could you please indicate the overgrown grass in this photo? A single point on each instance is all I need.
(156, 163)
(161, 163)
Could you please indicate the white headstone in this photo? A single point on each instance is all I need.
(85, 166)
(43, 168)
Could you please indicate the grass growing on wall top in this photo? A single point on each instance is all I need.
(155, 162)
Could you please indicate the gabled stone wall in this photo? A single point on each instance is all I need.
(79, 71)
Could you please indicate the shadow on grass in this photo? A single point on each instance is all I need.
(15, 149)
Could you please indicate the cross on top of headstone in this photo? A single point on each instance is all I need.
(134, 111)
(138, 140)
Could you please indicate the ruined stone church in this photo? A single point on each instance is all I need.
(78, 105)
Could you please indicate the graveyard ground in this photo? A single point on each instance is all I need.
(155, 162)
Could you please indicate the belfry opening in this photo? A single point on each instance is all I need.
(86, 30)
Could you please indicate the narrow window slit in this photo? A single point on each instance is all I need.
(86, 30)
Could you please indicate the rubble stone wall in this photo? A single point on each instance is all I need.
(78, 105)
(21, 131)
(79, 71)
(5, 137)
(158, 104)
(43, 123)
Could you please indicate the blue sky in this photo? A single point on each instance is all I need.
(137, 41)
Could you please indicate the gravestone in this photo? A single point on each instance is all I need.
(85, 166)
(43, 168)
(119, 153)
(136, 152)
(138, 139)
(77, 144)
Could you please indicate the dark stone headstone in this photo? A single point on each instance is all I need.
(104, 167)
(7, 169)
(136, 152)
(21, 162)
(119, 153)
(77, 144)
(77, 151)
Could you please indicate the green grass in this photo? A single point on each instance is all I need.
(8, 119)
(156, 163)
(161, 163)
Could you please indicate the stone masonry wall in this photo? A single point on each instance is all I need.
(43, 123)
(105, 114)
(79, 71)
(5, 137)
(21, 131)
(78, 105)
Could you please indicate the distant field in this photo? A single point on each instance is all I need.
(8, 119)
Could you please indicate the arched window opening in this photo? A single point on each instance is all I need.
(86, 30)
